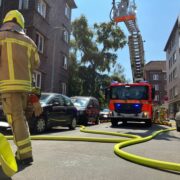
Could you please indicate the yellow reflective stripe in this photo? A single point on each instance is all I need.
(9, 118)
(19, 82)
(25, 150)
(29, 64)
(15, 88)
(23, 142)
(22, 43)
(36, 58)
(10, 61)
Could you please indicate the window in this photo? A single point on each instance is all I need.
(66, 36)
(23, 4)
(65, 62)
(174, 57)
(37, 79)
(155, 77)
(41, 8)
(175, 91)
(40, 42)
(174, 73)
(165, 77)
(67, 11)
(156, 87)
(156, 98)
(63, 85)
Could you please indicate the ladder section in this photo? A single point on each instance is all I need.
(136, 56)
(125, 11)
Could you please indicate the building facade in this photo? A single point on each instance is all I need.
(48, 23)
(172, 50)
(155, 73)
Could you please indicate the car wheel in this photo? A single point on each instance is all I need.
(40, 125)
(97, 121)
(73, 124)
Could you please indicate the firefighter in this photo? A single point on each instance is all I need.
(18, 59)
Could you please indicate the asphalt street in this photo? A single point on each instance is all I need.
(74, 160)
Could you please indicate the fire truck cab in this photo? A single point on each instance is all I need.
(130, 102)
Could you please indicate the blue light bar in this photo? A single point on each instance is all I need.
(137, 105)
(117, 106)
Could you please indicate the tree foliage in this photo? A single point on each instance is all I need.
(93, 55)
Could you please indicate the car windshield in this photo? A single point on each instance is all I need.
(129, 92)
(105, 110)
(80, 102)
(44, 98)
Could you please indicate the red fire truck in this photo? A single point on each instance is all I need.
(130, 102)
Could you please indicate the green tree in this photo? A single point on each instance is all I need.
(95, 51)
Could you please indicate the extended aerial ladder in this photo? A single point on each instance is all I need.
(125, 11)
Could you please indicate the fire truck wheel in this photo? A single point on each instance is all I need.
(114, 122)
(148, 123)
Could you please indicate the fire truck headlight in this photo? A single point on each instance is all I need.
(146, 114)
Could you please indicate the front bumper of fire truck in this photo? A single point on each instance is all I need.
(138, 116)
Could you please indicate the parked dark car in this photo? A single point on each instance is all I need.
(88, 109)
(58, 110)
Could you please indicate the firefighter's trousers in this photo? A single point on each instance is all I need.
(14, 106)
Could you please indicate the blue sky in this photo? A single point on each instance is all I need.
(155, 19)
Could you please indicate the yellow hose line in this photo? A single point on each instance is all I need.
(117, 148)
(7, 159)
(142, 160)
(83, 129)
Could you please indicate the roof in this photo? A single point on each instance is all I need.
(176, 26)
(155, 65)
(72, 3)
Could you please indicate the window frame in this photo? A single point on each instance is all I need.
(42, 8)
(40, 40)
(23, 4)
(37, 82)
(155, 77)
(156, 87)
(63, 88)
(65, 62)
(66, 35)
(67, 11)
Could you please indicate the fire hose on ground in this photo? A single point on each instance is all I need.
(9, 165)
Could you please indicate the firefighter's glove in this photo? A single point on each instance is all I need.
(36, 105)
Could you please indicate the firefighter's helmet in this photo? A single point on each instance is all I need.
(15, 14)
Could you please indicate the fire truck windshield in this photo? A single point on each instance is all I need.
(129, 92)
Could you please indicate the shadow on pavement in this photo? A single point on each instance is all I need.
(135, 127)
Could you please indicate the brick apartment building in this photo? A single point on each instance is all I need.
(172, 49)
(155, 73)
(48, 23)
